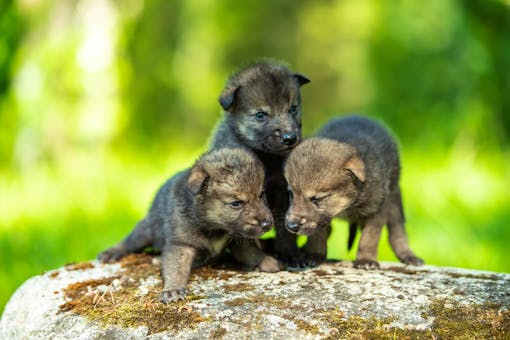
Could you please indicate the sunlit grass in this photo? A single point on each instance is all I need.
(457, 210)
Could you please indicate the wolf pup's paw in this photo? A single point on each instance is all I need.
(366, 264)
(412, 260)
(295, 261)
(111, 255)
(167, 296)
(270, 265)
(314, 259)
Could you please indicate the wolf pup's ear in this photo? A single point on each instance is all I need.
(228, 96)
(197, 179)
(357, 167)
(301, 79)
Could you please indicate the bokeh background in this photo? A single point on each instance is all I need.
(102, 100)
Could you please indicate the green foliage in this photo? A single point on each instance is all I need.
(101, 101)
(442, 63)
(11, 29)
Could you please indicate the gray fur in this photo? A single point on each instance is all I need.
(271, 90)
(350, 169)
(195, 214)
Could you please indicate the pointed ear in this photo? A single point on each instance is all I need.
(357, 167)
(197, 179)
(228, 96)
(301, 79)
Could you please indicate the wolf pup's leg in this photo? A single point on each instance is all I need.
(176, 262)
(249, 253)
(397, 233)
(369, 240)
(285, 244)
(135, 242)
(316, 248)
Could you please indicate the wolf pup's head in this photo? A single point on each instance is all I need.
(263, 106)
(325, 179)
(228, 185)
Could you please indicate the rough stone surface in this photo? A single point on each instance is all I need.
(95, 301)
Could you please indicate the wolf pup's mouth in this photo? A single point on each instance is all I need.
(276, 148)
(252, 232)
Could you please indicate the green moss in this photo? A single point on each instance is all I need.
(117, 303)
(303, 325)
(157, 317)
(453, 320)
(356, 327)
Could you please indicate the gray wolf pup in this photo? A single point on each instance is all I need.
(197, 212)
(350, 169)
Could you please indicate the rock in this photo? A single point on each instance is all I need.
(119, 301)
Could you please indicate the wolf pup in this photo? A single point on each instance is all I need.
(351, 170)
(196, 213)
(262, 106)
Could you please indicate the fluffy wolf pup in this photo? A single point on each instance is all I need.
(262, 112)
(197, 212)
(351, 170)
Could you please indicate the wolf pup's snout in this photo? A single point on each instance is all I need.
(290, 138)
(293, 226)
(266, 225)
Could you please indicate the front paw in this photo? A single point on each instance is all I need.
(366, 264)
(172, 295)
(270, 265)
(412, 260)
(295, 260)
(111, 255)
(314, 259)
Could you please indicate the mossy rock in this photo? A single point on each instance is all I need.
(333, 301)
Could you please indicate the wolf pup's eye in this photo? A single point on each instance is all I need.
(293, 109)
(316, 200)
(261, 116)
(236, 204)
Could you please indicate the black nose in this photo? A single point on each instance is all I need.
(266, 225)
(293, 226)
(289, 138)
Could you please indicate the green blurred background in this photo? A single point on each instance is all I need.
(102, 100)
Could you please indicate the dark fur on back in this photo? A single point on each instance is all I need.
(350, 169)
(197, 212)
(262, 107)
